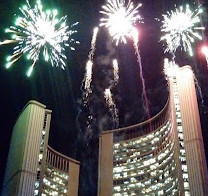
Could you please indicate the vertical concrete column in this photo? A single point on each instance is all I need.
(193, 141)
(73, 179)
(24, 151)
(105, 177)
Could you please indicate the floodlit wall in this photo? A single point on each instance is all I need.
(34, 168)
(193, 140)
(23, 157)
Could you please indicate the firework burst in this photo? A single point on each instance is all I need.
(120, 18)
(180, 28)
(38, 31)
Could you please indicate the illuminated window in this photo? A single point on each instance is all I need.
(187, 193)
(161, 192)
(184, 168)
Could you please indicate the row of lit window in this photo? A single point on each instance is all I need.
(161, 174)
(134, 153)
(169, 185)
(143, 164)
(54, 182)
(51, 172)
(148, 182)
(154, 176)
(131, 144)
(141, 141)
(127, 185)
(181, 139)
(53, 189)
(40, 156)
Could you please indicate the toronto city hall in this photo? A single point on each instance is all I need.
(161, 156)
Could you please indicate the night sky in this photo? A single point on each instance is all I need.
(61, 91)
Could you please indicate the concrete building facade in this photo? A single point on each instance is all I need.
(161, 156)
(33, 167)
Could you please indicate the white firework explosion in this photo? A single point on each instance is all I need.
(38, 31)
(180, 28)
(120, 18)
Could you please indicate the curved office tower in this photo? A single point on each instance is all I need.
(33, 168)
(161, 156)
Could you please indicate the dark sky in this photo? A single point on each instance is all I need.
(61, 91)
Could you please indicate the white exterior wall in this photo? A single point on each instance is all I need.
(24, 151)
(195, 155)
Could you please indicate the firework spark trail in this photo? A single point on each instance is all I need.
(112, 107)
(180, 29)
(87, 85)
(199, 90)
(38, 31)
(144, 95)
(93, 42)
(88, 80)
(115, 71)
(88, 69)
(119, 18)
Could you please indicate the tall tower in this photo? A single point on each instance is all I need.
(161, 156)
(33, 167)
(182, 87)
(23, 158)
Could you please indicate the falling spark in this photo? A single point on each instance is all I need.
(88, 77)
(88, 69)
(108, 97)
(111, 105)
(93, 42)
(199, 90)
(115, 71)
(180, 29)
(120, 18)
(144, 95)
(38, 31)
